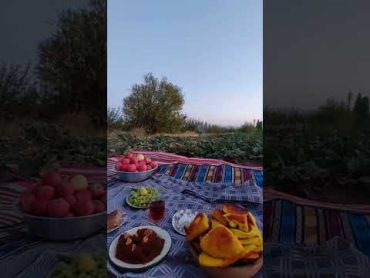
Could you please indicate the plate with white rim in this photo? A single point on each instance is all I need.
(124, 218)
(121, 264)
(152, 195)
(182, 219)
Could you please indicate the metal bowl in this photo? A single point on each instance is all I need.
(64, 229)
(135, 176)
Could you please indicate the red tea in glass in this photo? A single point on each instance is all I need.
(156, 210)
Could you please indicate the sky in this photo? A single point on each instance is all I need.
(315, 50)
(212, 49)
(24, 32)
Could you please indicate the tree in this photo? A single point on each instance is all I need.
(365, 106)
(349, 100)
(72, 62)
(17, 96)
(361, 105)
(357, 106)
(154, 105)
(259, 125)
(114, 117)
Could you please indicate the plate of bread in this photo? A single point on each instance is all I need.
(115, 220)
(227, 243)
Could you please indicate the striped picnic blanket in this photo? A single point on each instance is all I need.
(199, 169)
(289, 219)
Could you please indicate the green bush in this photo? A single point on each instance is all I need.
(234, 147)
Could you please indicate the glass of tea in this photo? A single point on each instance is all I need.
(156, 210)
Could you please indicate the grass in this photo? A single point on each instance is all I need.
(235, 147)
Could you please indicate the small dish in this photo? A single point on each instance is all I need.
(123, 220)
(141, 207)
(181, 219)
(121, 264)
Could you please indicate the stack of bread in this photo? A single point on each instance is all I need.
(228, 237)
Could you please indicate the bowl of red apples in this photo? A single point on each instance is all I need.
(135, 168)
(64, 208)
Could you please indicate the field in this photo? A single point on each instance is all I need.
(40, 144)
(235, 147)
(318, 159)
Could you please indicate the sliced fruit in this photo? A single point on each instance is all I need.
(206, 260)
(220, 242)
(217, 214)
(199, 226)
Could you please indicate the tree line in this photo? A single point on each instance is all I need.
(70, 72)
(156, 106)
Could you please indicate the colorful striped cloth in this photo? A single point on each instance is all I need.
(199, 170)
(290, 219)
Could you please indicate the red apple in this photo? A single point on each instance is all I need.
(123, 167)
(131, 168)
(71, 200)
(99, 206)
(97, 190)
(148, 160)
(39, 207)
(83, 195)
(64, 189)
(83, 208)
(44, 192)
(125, 161)
(142, 168)
(133, 160)
(52, 178)
(142, 162)
(153, 164)
(148, 167)
(58, 208)
(129, 155)
(27, 200)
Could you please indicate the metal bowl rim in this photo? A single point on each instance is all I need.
(38, 217)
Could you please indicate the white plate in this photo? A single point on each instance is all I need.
(166, 248)
(123, 220)
(181, 219)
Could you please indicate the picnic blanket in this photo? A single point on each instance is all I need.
(25, 256)
(294, 226)
(199, 170)
(179, 262)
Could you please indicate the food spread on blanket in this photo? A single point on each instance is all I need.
(84, 265)
(143, 196)
(131, 163)
(229, 237)
(139, 248)
(57, 196)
